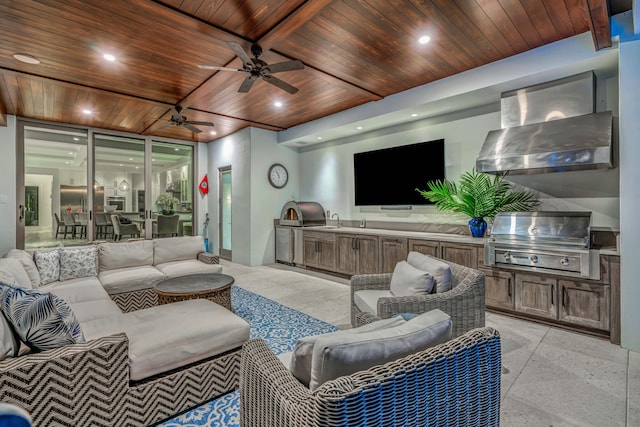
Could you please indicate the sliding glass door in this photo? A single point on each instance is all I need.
(52, 186)
(71, 181)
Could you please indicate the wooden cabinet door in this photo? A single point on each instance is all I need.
(367, 254)
(614, 281)
(536, 295)
(498, 289)
(346, 261)
(584, 303)
(392, 251)
(327, 254)
(427, 247)
(311, 255)
(466, 255)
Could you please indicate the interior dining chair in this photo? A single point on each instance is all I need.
(69, 222)
(60, 227)
(166, 225)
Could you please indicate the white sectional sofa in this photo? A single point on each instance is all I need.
(137, 363)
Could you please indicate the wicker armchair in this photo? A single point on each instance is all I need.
(464, 302)
(452, 384)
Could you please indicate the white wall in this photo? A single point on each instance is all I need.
(8, 206)
(254, 202)
(630, 192)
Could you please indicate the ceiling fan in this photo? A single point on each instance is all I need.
(177, 119)
(258, 69)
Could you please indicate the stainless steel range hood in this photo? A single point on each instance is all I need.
(549, 128)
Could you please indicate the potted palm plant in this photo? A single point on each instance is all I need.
(479, 196)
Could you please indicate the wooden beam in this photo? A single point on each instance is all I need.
(301, 16)
(599, 23)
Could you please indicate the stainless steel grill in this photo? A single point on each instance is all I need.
(553, 242)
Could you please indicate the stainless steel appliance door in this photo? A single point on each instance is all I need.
(284, 244)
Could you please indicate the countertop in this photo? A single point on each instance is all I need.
(442, 237)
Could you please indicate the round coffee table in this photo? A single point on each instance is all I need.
(215, 287)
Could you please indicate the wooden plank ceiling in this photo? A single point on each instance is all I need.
(354, 51)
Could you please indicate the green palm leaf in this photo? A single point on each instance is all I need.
(478, 195)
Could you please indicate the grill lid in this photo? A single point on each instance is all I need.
(569, 229)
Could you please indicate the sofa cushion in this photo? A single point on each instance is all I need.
(299, 361)
(130, 279)
(78, 290)
(42, 320)
(440, 270)
(336, 356)
(14, 270)
(408, 280)
(177, 248)
(135, 253)
(169, 336)
(367, 300)
(9, 344)
(78, 263)
(29, 265)
(187, 267)
(91, 310)
(48, 263)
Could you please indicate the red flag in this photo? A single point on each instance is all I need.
(204, 186)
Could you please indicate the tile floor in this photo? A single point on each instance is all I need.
(551, 377)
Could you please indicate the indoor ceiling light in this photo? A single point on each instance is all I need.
(319, 137)
(278, 104)
(213, 132)
(87, 112)
(23, 57)
(424, 39)
(109, 57)
(124, 185)
(414, 115)
(176, 149)
(75, 138)
(359, 128)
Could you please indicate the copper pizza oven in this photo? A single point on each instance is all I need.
(302, 214)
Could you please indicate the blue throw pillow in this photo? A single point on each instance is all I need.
(42, 320)
(408, 316)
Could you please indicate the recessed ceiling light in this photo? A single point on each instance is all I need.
(424, 39)
(414, 115)
(278, 104)
(130, 158)
(359, 128)
(109, 57)
(213, 132)
(153, 160)
(23, 57)
(319, 137)
(137, 167)
(87, 112)
(75, 138)
(121, 164)
(176, 149)
(67, 163)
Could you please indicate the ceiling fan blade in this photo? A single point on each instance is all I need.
(247, 83)
(191, 128)
(281, 84)
(215, 67)
(239, 51)
(168, 125)
(285, 66)
(195, 122)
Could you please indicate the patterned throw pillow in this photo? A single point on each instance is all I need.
(48, 263)
(42, 320)
(78, 262)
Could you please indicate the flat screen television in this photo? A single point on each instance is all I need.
(390, 176)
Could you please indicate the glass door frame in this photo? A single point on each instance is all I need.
(148, 140)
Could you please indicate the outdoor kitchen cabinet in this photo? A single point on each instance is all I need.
(392, 251)
(356, 254)
(460, 253)
(572, 301)
(427, 247)
(498, 288)
(319, 250)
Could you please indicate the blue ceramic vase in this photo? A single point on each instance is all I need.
(477, 226)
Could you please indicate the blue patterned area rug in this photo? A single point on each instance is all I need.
(279, 326)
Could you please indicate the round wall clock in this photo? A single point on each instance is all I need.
(278, 175)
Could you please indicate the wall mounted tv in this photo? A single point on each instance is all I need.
(390, 176)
